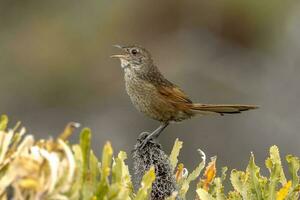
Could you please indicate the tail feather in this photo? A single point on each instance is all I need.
(222, 108)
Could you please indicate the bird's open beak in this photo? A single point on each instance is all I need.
(118, 46)
(118, 55)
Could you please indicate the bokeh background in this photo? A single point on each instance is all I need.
(55, 68)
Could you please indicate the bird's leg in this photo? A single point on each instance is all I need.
(158, 131)
(155, 133)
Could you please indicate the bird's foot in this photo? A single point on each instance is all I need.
(146, 140)
(147, 137)
(143, 135)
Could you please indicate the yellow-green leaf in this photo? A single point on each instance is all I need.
(254, 178)
(175, 152)
(146, 185)
(204, 195)
(3, 122)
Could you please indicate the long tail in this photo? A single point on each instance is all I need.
(221, 108)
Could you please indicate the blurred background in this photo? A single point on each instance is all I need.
(55, 68)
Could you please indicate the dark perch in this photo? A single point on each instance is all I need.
(153, 155)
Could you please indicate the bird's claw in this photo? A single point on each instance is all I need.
(145, 141)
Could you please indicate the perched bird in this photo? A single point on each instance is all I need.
(152, 94)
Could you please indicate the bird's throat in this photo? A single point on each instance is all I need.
(124, 63)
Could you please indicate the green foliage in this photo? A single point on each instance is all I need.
(250, 184)
(53, 169)
(191, 177)
(146, 184)
(175, 153)
(73, 172)
(3, 122)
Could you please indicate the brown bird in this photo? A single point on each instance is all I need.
(152, 94)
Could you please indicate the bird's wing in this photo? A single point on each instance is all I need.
(173, 95)
(176, 97)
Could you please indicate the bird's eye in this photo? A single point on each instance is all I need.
(134, 51)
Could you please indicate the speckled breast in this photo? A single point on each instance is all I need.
(147, 100)
(142, 95)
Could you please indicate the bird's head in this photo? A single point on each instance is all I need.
(134, 57)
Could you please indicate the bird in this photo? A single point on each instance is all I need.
(158, 98)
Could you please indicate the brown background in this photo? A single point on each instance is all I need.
(55, 68)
